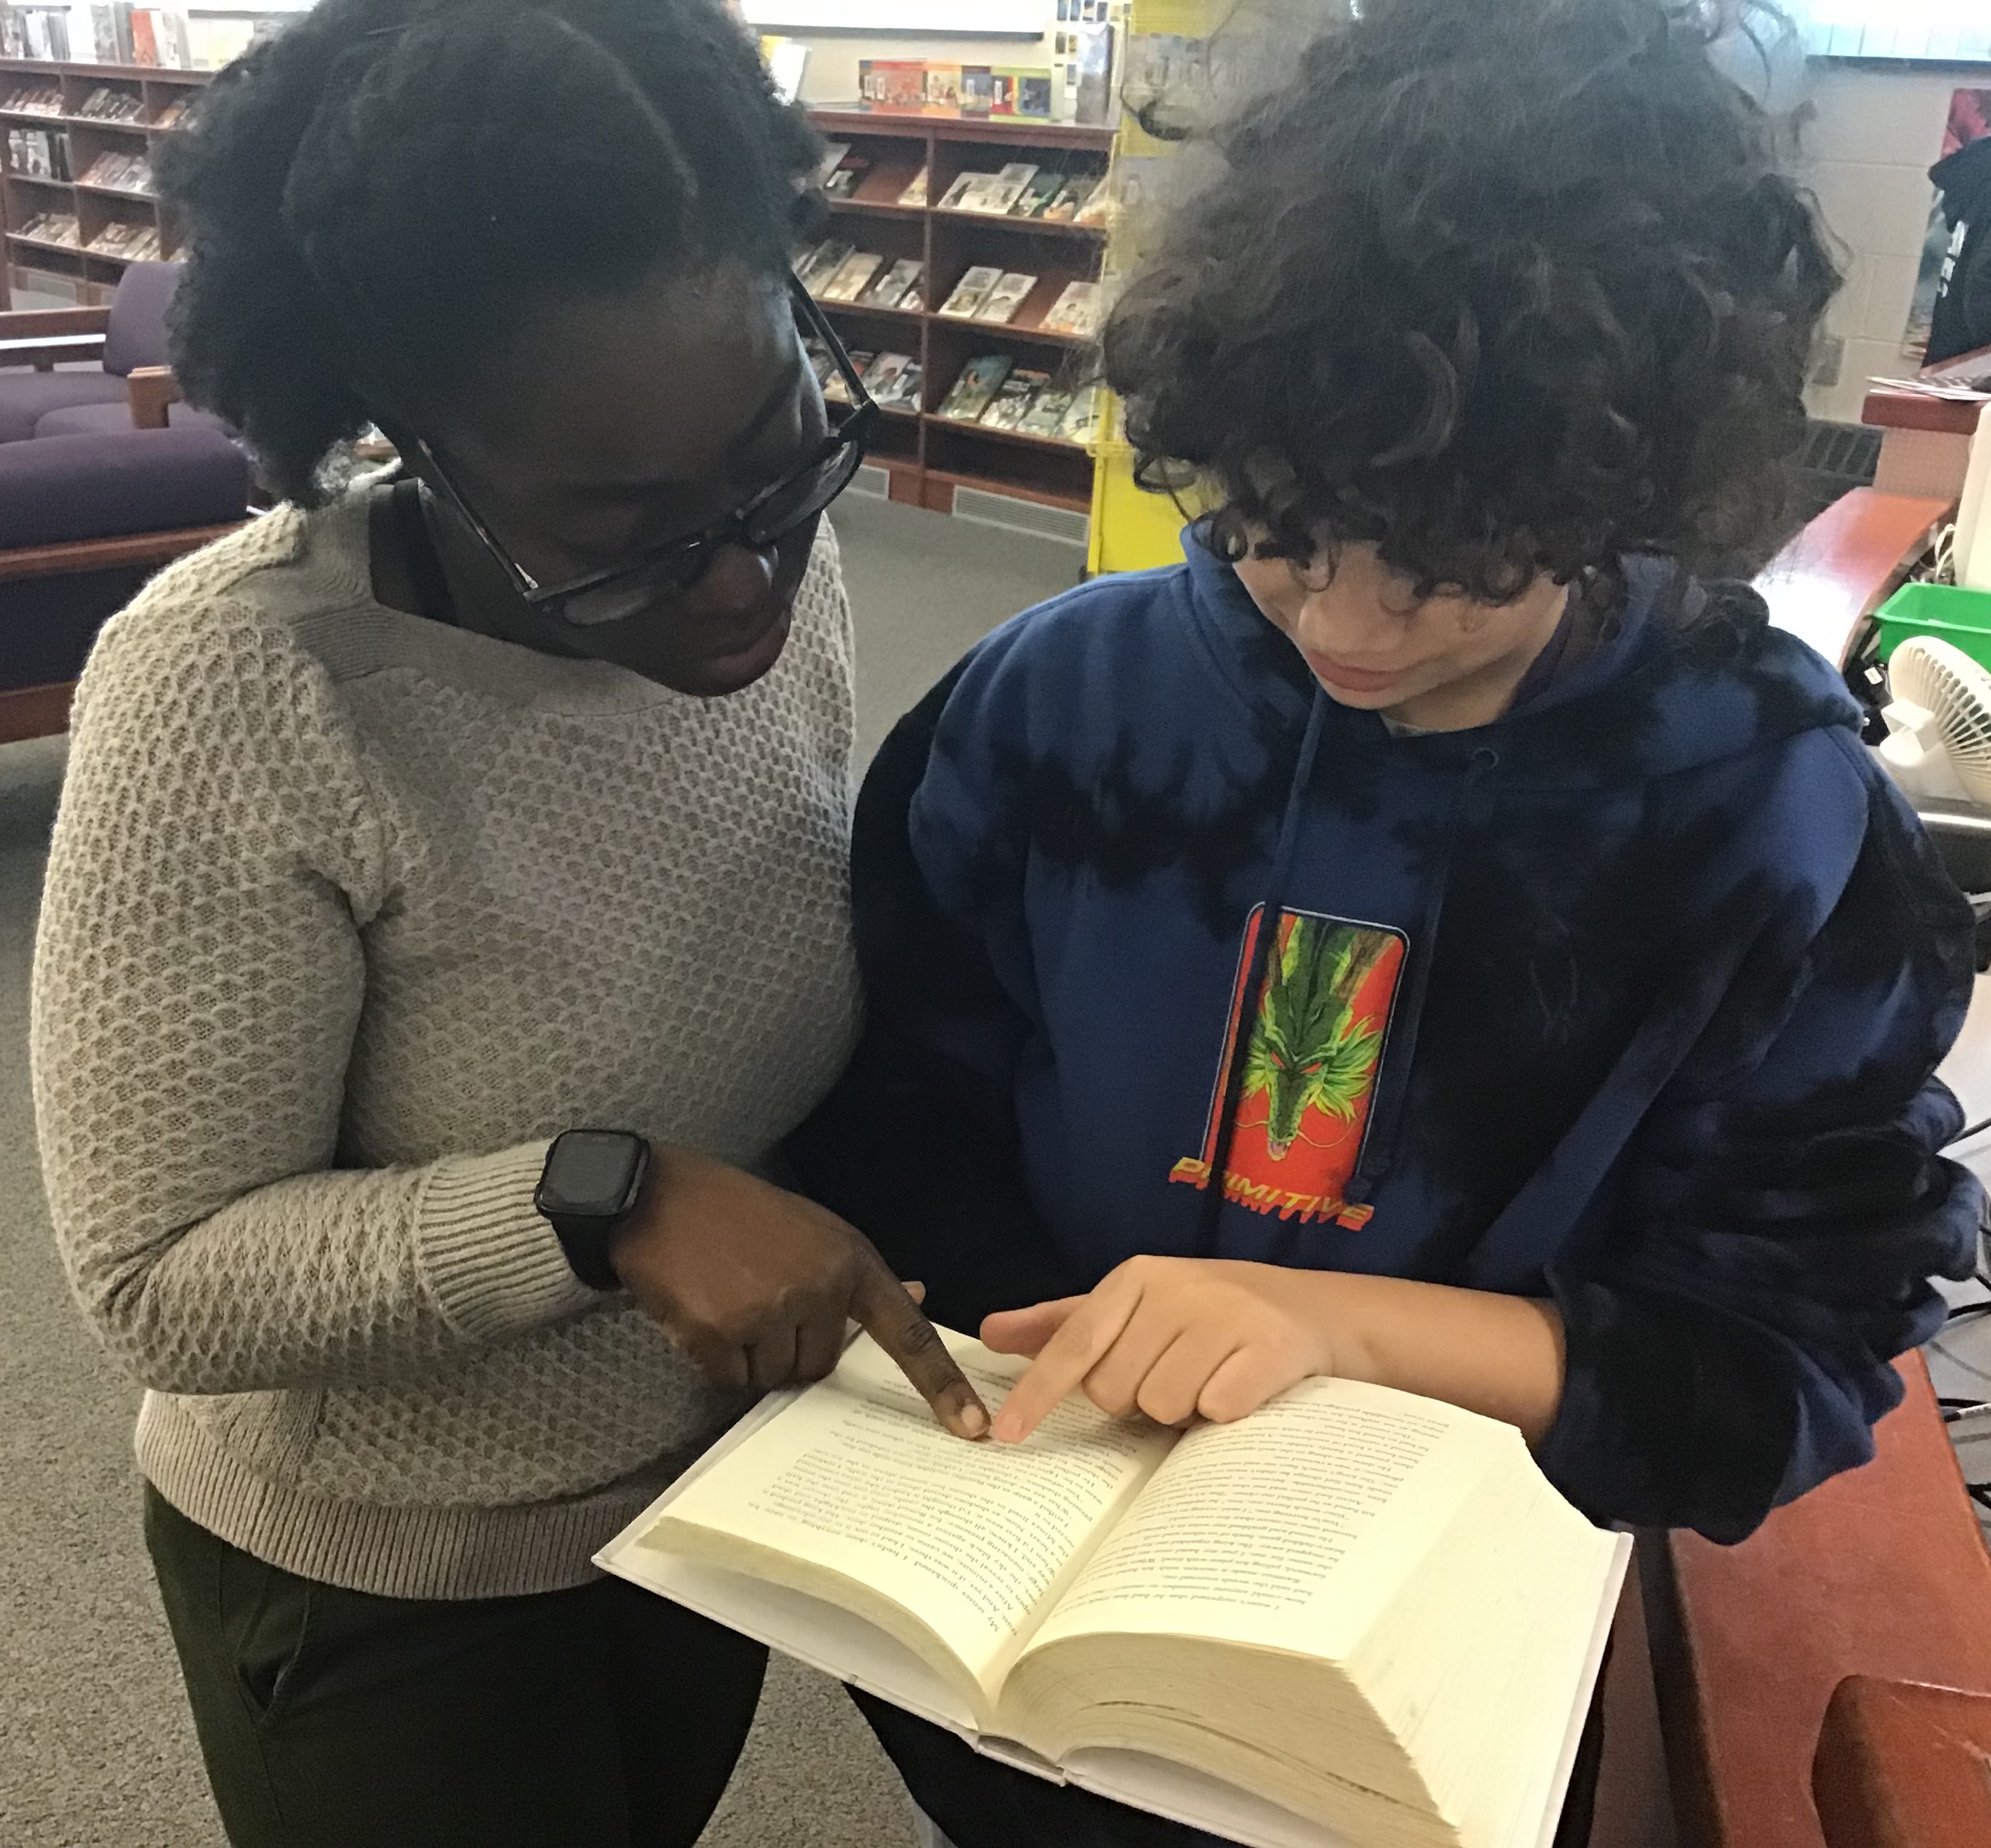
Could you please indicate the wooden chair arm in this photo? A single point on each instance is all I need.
(45, 337)
(151, 389)
(43, 323)
(1846, 563)
(1902, 1764)
(1880, 1572)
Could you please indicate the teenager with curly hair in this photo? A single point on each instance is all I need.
(418, 826)
(1438, 934)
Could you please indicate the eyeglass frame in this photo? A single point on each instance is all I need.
(853, 433)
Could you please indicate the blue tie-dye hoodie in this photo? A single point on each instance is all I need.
(1632, 998)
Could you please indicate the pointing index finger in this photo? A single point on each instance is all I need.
(891, 1317)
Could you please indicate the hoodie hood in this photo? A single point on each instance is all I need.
(1685, 674)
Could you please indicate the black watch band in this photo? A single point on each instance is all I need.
(590, 1183)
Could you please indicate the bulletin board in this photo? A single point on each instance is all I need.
(980, 18)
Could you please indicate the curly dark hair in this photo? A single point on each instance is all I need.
(454, 164)
(1501, 286)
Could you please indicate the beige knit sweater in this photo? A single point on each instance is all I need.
(348, 914)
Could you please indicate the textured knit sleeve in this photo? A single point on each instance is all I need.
(1769, 1250)
(917, 1144)
(199, 974)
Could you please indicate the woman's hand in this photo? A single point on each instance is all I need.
(1173, 1338)
(1178, 1338)
(756, 1285)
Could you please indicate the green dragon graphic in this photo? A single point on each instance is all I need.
(1307, 1049)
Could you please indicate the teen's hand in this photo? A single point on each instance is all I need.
(1170, 1337)
(756, 1283)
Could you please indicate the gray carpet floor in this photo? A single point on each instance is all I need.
(96, 1750)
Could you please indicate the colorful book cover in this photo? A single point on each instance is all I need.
(1310, 1056)
(892, 86)
(144, 37)
(902, 393)
(943, 89)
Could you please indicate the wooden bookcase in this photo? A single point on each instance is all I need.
(930, 456)
(87, 278)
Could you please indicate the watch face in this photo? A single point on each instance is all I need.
(591, 1172)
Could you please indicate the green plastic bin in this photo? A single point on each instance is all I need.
(1960, 617)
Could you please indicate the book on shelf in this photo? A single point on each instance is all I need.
(915, 194)
(847, 177)
(144, 43)
(1045, 415)
(36, 98)
(901, 393)
(971, 292)
(963, 184)
(852, 278)
(1037, 198)
(13, 34)
(104, 34)
(891, 289)
(1076, 189)
(975, 388)
(786, 60)
(1033, 94)
(39, 153)
(1097, 102)
(913, 301)
(833, 158)
(178, 48)
(823, 262)
(1356, 1618)
(822, 362)
(120, 173)
(999, 199)
(55, 227)
(1096, 207)
(834, 391)
(171, 115)
(1077, 311)
(943, 89)
(977, 90)
(1081, 422)
(882, 378)
(1000, 305)
(105, 104)
(1013, 399)
(892, 86)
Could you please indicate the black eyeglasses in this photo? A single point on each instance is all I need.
(635, 588)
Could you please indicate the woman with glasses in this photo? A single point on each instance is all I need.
(447, 915)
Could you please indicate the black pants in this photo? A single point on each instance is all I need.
(978, 1803)
(600, 1717)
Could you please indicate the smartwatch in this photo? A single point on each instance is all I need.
(589, 1186)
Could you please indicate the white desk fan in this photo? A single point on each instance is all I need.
(1948, 700)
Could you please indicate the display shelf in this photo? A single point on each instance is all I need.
(152, 89)
(928, 456)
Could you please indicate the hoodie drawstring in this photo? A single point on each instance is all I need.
(1386, 1109)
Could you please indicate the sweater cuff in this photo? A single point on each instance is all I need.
(493, 1262)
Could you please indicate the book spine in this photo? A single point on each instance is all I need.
(144, 45)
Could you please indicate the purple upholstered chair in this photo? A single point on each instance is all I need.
(124, 389)
(103, 478)
(84, 521)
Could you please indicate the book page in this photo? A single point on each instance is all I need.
(1288, 1528)
(973, 1541)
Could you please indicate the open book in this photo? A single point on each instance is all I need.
(1356, 1619)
